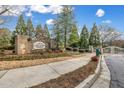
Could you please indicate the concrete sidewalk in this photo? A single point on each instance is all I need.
(30, 76)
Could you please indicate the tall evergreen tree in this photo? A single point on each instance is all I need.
(74, 37)
(65, 20)
(84, 38)
(46, 31)
(94, 39)
(39, 32)
(46, 35)
(21, 27)
(57, 35)
(30, 29)
(13, 38)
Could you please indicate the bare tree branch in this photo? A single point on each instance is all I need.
(2, 12)
(108, 34)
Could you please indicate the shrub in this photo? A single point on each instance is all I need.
(61, 51)
(2, 51)
(58, 51)
(86, 50)
(75, 49)
(49, 51)
(34, 56)
(13, 51)
(81, 50)
(38, 51)
(94, 58)
(7, 48)
(69, 48)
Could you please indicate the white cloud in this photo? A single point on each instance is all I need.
(54, 9)
(39, 8)
(50, 21)
(13, 10)
(16, 10)
(100, 13)
(29, 14)
(107, 21)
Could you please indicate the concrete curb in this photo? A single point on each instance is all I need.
(88, 82)
(103, 80)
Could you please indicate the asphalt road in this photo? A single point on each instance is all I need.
(115, 64)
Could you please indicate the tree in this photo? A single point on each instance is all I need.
(94, 39)
(57, 35)
(5, 37)
(13, 38)
(108, 34)
(30, 29)
(39, 33)
(9, 10)
(65, 20)
(21, 27)
(84, 38)
(3, 10)
(74, 37)
(46, 31)
(46, 35)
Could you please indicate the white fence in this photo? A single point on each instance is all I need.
(113, 50)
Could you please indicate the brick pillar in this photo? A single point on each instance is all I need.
(22, 45)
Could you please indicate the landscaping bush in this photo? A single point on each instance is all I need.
(13, 51)
(81, 50)
(58, 53)
(61, 51)
(38, 51)
(69, 48)
(2, 51)
(49, 51)
(86, 50)
(7, 48)
(75, 49)
(94, 58)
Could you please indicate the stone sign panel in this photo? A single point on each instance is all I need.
(38, 45)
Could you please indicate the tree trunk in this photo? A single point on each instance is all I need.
(65, 39)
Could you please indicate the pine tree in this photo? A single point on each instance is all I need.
(30, 29)
(13, 38)
(46, 35)
(84, 38)
(94, 37)
(21, 27)
(39, 32)
(74, 37)
(57, 36)
(46, 31)
(65, 20)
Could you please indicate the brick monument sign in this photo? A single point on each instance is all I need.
(25, 46)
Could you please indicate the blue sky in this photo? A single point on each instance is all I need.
(84, 15)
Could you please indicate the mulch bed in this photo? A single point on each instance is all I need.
(35, 56)
(72, 79)
(6, 65)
